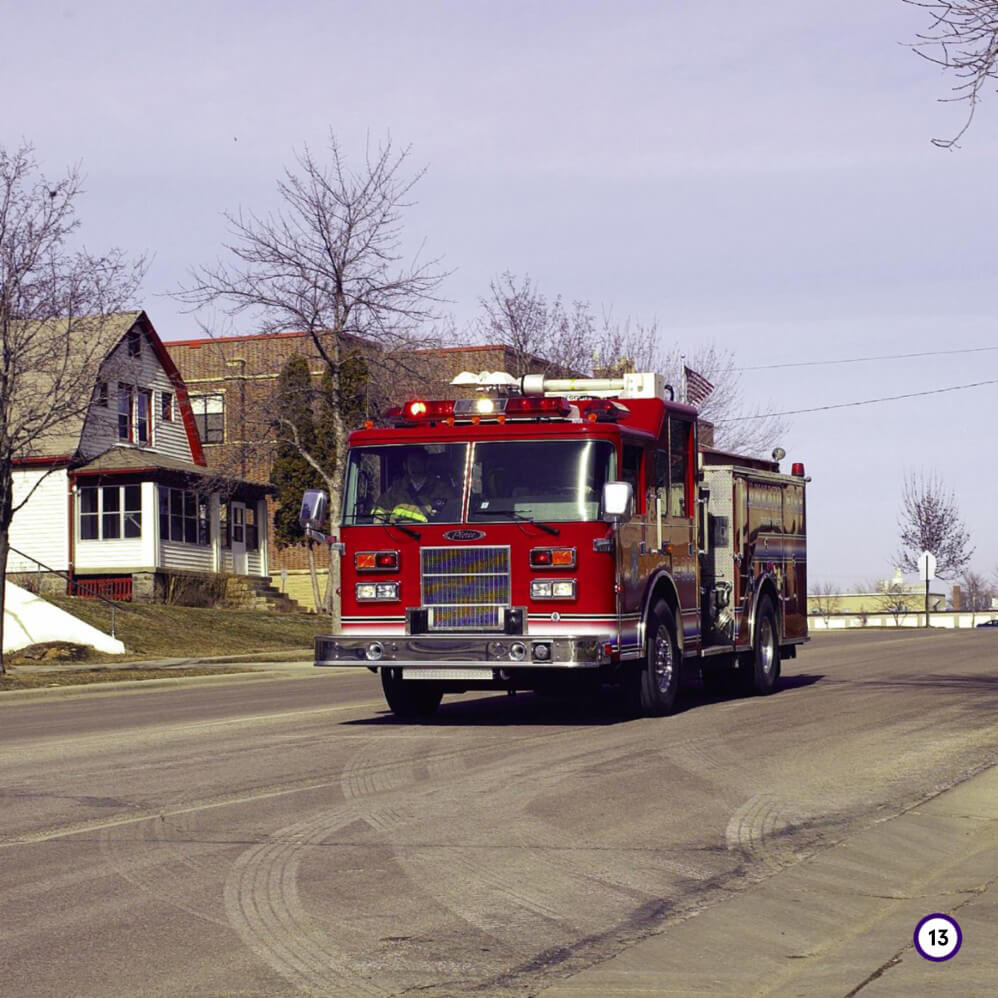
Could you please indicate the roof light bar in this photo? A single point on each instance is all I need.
(529, 407)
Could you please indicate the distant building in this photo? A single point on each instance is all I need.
(891, 595)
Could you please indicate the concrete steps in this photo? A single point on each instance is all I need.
(248, 592)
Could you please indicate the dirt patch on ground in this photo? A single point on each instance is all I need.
(44, 678)
(51, 651)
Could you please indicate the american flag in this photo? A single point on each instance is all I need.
(698, 388)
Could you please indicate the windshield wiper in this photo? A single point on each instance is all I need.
(401, 526)
(554, 531)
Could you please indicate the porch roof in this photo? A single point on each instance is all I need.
(133, 461)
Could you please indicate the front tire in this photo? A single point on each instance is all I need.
(653, 686)
(765, 649)
(410, 699)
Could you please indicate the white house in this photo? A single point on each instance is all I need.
(122, 500)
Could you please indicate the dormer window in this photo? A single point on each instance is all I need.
(126, 398)
(134, 415)
(143, 417)
(134, 340)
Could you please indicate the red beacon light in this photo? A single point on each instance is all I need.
(605, 411)
(797, 469)
(421, 411)
(538, 405)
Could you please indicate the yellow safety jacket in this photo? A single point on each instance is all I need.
(405, 502)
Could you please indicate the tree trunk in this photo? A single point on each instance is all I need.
(4, 550)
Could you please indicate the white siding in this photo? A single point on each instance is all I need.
(225, 562)
(120, 555)
(40, 527)
(145, 371)
(254, 564)
(184, 557)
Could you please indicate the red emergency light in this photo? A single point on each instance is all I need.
(419, 410)
(538, 405)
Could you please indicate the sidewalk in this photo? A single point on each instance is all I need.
(840, 923)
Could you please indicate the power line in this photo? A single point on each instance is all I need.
(849, 405)
(863, 360)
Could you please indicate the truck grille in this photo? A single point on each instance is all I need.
(465, 588)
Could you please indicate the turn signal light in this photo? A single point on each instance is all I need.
(552, 557)
(376, 561)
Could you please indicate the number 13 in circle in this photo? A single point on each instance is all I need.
(938, 937)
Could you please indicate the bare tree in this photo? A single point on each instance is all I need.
(976, 593)
(893, 598)
(930, 521)
(544, 335)
(963, 39)
(826, 600)
(329, 263)
(53, 302)
(547, 335)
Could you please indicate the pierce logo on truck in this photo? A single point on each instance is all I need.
(463, 535)
(550, 534)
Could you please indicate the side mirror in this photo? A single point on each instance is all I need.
(314, 509)
(618, 502)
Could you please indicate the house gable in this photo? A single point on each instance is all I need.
(140, 401)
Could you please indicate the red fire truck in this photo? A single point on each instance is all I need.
(551, 533)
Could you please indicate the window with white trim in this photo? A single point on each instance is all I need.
(110, 512)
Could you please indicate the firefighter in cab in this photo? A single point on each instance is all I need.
(417, 496)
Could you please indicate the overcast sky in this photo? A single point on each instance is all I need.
(758, 176)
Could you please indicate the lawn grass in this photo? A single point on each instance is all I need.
(152, 630)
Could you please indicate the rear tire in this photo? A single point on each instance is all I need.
(765, 649)
(653, 686)
(410, 699)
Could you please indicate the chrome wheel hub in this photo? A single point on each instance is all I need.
(662, 662)
(767, 646)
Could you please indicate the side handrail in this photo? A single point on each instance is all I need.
(95, 595)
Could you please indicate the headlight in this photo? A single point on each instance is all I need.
(375, 591)
(552, 589)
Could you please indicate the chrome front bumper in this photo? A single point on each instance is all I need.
(497, 651)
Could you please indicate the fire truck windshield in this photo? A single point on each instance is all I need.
(413, 484)
(558, 480)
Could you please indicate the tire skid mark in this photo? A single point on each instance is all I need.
(754, 830)
(393, 786)
(263, 905)
(145, 870)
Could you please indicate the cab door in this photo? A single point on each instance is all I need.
(679, 522)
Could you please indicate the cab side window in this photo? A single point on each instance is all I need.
(630, 471)
(680, 456)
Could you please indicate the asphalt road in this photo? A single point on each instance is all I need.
(283, 835)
